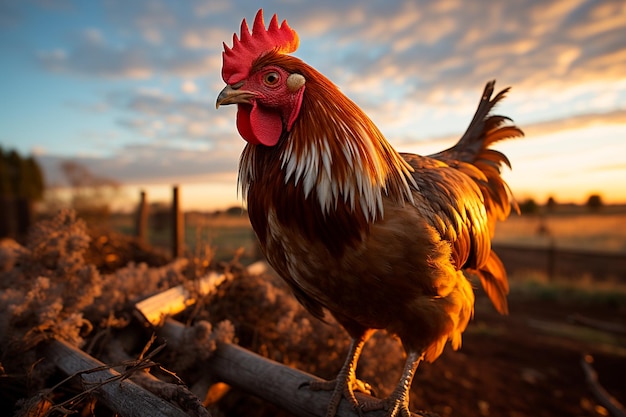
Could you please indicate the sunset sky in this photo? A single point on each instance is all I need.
(128, 88)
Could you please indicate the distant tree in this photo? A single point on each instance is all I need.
(551, 204)
(235, 211)
(21, 184)
(594, 202)
(5, 181)
(91, 194)
(30, 182)
(529, 206)
(14, 162)
(20, 177)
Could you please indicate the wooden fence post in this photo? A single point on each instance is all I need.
(141, 225)
(178, 232)
(551, 261)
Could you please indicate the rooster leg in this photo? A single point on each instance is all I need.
(397, 404)
(346, 382)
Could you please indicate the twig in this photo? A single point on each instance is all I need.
(603, 397)
(121, 395)
(175, 392)
(598, 324)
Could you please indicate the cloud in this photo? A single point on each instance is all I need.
(147, 163)
(92, 55)
(164, 117)
(189, 87)
(525, 44)
(416, 68)
(451, 43)
(543, 128)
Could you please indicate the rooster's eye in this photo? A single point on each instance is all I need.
(271, 78)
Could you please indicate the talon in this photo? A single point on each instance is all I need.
(342, 388)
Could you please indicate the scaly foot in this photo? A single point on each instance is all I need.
(346, 382)
(397, 404)
(344, 386)
(395, 407)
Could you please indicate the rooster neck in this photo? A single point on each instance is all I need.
(337, 153)
(274, 202)
(331, 172)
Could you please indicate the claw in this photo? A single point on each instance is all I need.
(397, 404)
(342, 387)
(346, 382)
(395, 407)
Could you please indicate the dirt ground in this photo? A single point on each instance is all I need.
(524, 364)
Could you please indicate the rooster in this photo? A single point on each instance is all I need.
(377, 238)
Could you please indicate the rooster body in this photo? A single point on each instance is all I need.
(377, 238)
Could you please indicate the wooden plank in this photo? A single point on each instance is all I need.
(121, 395)
(175, 300)
(274, 382)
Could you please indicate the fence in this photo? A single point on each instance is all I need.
(563, 263)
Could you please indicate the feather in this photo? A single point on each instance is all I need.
(494, 281)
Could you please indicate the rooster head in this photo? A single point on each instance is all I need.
(268, 98)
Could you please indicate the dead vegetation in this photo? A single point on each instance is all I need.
(58, 302)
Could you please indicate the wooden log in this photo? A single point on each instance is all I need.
(121, 395)
(279, 384)
(274, 382)
(604, 398)
(177, 299)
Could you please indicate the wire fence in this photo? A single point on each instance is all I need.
(563, 263)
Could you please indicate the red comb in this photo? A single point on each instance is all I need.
(238, 59)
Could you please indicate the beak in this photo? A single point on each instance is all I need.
(230, 95)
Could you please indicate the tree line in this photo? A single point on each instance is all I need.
(21, 184)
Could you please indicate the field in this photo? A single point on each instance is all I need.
(567, 228)
(529, 363)
(600, 232)
(531, 360)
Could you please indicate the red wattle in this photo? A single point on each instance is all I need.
(258, 126)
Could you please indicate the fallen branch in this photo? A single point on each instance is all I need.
(604, 398)
(274, 382)
(118, 393)
(175, 300)
(176, 392)
(598, 324)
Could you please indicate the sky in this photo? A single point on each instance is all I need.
(128, 88)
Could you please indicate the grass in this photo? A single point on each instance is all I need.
(224, 233)
(575, 229)
(604, 232)
(583, 291)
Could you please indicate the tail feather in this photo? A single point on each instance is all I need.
(484, 130)
(472, 155)
(495, 283)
